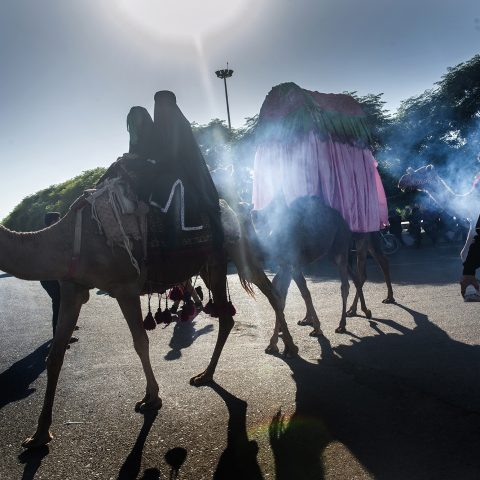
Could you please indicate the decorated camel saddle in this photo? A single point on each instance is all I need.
(317, 144)
(161, 216)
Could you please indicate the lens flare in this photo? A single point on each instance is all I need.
(181, 19)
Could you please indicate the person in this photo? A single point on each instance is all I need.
(140, 128)
(52, 287)
(471, 263)
(175, 149)
(415, 228)
(395, 227)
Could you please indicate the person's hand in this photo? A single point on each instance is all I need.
(467, 280)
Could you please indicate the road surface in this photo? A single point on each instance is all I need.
(398, 397)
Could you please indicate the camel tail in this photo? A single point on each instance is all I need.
(247, 286)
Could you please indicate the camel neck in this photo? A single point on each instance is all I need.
(40, 255)
(451, 202)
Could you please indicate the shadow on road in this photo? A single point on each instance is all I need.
(239, 459)
(5, 275)
(15, 381)
(131, 467)
(424, 266)
(32, 459)
(406, 405)
(184, 334)
(175, 457)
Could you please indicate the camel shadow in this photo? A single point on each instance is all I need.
(16, 380)
(403, 405)
(407, 267)
(184, 334)
(32, 459)
(239, 459)
(131, 467)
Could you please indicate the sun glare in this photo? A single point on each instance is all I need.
(181, 19)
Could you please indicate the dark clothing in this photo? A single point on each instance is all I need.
(52, 287)
(415, 227)
(472, 262)
(177, 153)
(395, 227)
(140, 127)
(169, 152)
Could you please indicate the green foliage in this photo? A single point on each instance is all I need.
(29, 213)
(439, 126)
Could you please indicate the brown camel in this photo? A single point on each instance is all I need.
(300, 234)
(426, 179)
(49, 254)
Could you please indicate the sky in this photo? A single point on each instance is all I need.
(70, 71)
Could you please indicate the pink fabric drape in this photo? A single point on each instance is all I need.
(345, 176)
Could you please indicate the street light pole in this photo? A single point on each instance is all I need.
(226, 73)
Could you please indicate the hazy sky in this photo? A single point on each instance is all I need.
(70, 70)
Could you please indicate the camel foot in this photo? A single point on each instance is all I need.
(351, 312)
(305, 322)
(151, 406)
(340, 330)
(201, 379)
(389, 300)
(38, 440)
(272, 350)
(316, 333)
(368, 313)
(148, 405)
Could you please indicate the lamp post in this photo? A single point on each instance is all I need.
(226, 73)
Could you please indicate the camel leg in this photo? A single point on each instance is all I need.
(362, 272)
(359, 289)
(72, 298)
(382, 260)
(342, 264)
(280, 283)
(132, 311)
(250, 269)
(311, 317)
(278, 304)
(218, 275)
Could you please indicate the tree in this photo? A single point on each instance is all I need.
(28, 214)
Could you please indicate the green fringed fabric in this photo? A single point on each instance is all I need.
(278, 124)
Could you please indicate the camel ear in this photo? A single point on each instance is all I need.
(409, 170)
(429, 168)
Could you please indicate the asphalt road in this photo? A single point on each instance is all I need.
(398, 397)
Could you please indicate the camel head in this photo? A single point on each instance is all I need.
(417, 179)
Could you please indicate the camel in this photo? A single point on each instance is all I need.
(49, 254)
(426, 179)
(300, 234)
(365, 243)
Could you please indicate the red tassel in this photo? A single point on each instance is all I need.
(176, 294)
(149, 322)
(231, 310)
(167, 317)
(158, 316)
(188, 311)
(208, 308)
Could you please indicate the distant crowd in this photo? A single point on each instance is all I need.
(437, 225)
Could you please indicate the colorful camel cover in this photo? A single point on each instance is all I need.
(311, 143)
